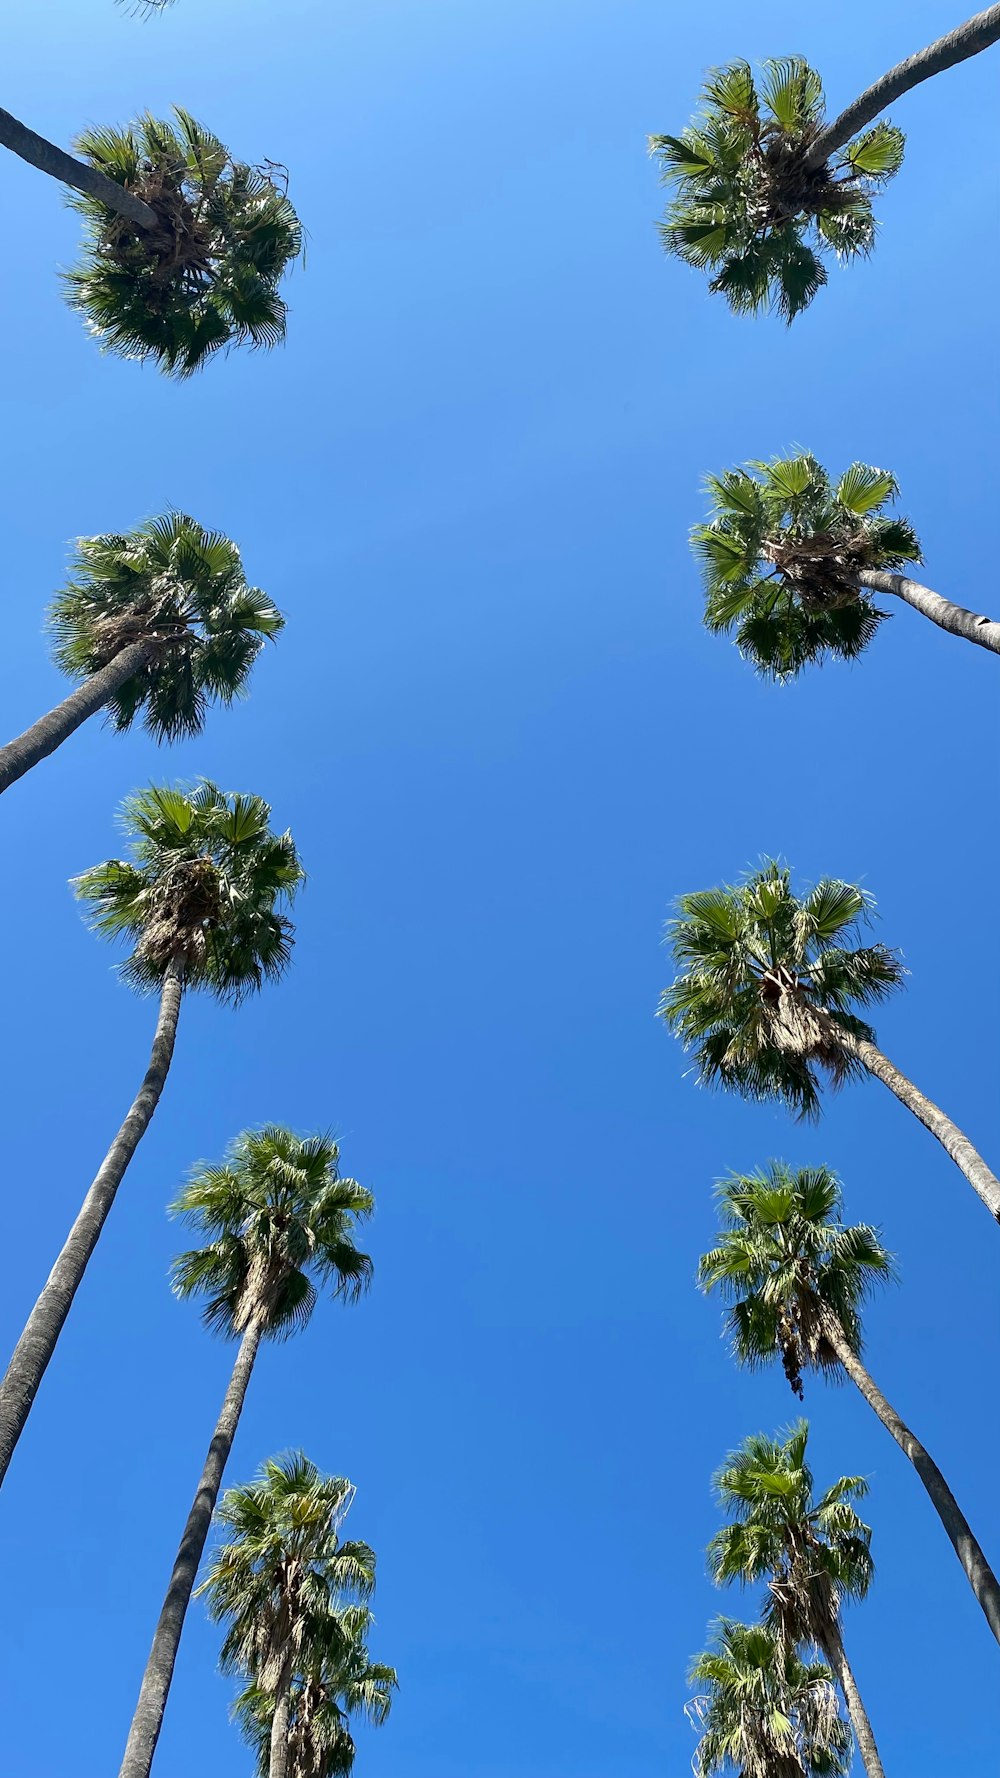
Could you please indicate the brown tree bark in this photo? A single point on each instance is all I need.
(79, 174)
(51, 730)
(863, 1733)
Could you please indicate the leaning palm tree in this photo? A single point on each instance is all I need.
(764, 1712)
(791, 561)
(201, 903)
(766, 189)
(796, 1280)
(333, 1685)
(159, 621)
(184, 247)
(812, 1554)
(766, 992)
(278, 1221)
(280, 1580)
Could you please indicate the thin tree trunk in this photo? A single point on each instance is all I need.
(79, 174)
(966, 1158)
(278, 1767)
(49, 732)
(978, 1572)
(45, 1323)
(148, 1718)
(863, 1735)
(984, 631)
(966, 40)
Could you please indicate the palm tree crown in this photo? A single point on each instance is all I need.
(811, 1553)
(276, 1215)
(203, 891)
(283, 1575)
(337, 1680)
(764, 1712)
(182, 589)
(782, 552)
(767, 981)
(782, 1259)
(750, 207)
(208, 276)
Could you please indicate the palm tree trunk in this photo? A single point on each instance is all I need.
(278, 1766)
(833, 1648)
(148, 1718)
(45, 1323)
(49, 732)
(984, 631)
(966, 40)
(979, 1574)
(966, 1158)
(82, 177)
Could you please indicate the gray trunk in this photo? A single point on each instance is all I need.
(148, 1718)
(81, 176)
(966, 40)
(833, 1648)
(978, 1572)
(984, 631)
(49, 732)
(45, 1323)
(278, 1767)
(966, 1158)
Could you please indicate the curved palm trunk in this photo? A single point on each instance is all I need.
(978, 1572)
(82, 177)
(148, 1718)
(951, 1138)
(50, 731)
(278, 1766)
(45, 1323)
(833, 1648)
(984, 631)
(966, 40)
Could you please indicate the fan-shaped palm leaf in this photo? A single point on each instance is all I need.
(764, 1712)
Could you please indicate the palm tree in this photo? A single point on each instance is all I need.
(281, 1579)
(766, 992)
(791, 559)
(796, 1279)
(184, 247)
(157, 621)
(812, 1554)
(764, 1712)
(201, 902)
(278, 1222)
(766, 189)
(334, 1684)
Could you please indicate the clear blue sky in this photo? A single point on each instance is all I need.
(504, 743)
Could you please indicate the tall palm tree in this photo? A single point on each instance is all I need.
(766, 188)
(281, 1578)
(764, 1712)
(796, 1279)
(790, 561)
(766, 992)
(278, 1222)
(158, 621)
(201, 902)
(184, 247)
(812, 1554)
(333, 1685)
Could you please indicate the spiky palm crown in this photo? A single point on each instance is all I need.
(278, 1220)
(751, 957)
(748, 207)
(764, 1712)
(204, 889)
(336, 1680)
(810, 1553)
(208, 276)
(182, 588)
(781, 554)
(282, 1578)
(782, 1258)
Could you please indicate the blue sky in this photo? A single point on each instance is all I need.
(504, 744)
